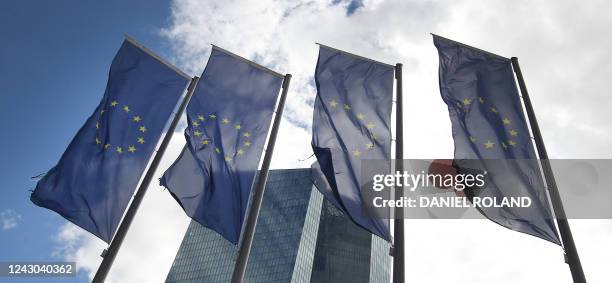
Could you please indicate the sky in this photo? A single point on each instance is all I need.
(54, 62)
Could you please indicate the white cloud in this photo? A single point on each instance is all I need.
(565, 59)
(9, 219)
(555, 41)
(76, 244)
(292, 149)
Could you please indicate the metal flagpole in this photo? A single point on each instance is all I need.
(255, 206)
(398, 232)
(571, 254)
(110, 254)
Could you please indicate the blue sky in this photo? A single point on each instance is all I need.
(54, 60)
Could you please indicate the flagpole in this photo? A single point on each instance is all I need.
(255, 205)
(110, 253)
(572, 258)
(398, 230)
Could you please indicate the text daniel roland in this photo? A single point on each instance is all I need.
(458, 182)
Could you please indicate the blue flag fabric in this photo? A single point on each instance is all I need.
(96, 176)
(351, 123)
(228, 118)
(488, 124)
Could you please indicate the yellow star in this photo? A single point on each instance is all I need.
(217, 150)
(97, 125)
(489, 144)
(126, 108)
(142, 129)
(102, 112)
(370, 125)
(360, 116)
(197, 133)
(228, 158)
(347, 107)
(195, 123)
(506, 121)
(481, 100)
(333, 103)
(212, 116)
(472, 139)
(240, 152)
(141, 140)
(467, 101)
(237, 127)
(225, 121)
(370, 146)
(493, 110)
(246, 134)
(131, 148)
(119, 150)
(513, 133)
(107, 146)
(512, 143)
(204, 142)
(356, 153)
(247, 143)
(114, 103)
(201, 118)
(136, 119)
(98, 141)
(504, 145)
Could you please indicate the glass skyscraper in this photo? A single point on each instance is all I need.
(300, 237)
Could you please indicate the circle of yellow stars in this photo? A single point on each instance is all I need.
(243, 135)
(368, 146)
(488, 144)
(120, 149)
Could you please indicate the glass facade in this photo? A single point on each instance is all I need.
(300, 237)
(344, 251)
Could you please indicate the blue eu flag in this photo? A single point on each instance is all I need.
(229, 116)
(351, 123)
(96, 176)
(488, 124)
